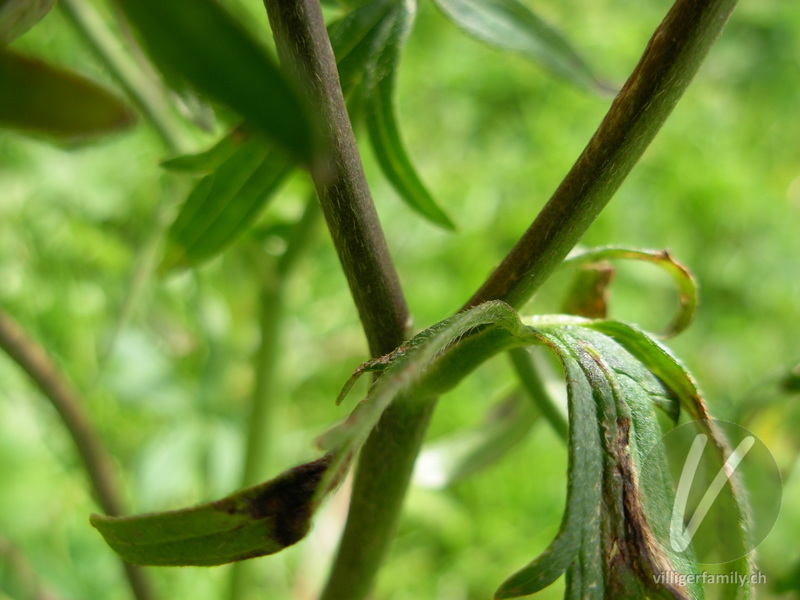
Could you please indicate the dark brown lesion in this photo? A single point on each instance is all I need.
(288, 500)
(636, 551)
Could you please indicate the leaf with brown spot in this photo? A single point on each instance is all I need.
(260, 520)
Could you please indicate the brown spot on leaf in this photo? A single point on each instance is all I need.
(286, 500)
(638, 550)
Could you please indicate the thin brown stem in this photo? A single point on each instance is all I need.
(670, 61)
(387, 459)
(341, 185)
(36, 363)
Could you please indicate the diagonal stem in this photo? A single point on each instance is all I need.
(669, 63)
(33, 359)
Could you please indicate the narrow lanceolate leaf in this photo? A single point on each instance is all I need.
(203, 43)
(615, 537)
(618, 553)
(17, 16)
(202, 163)
(380, 112)
(225, 203)
(683, 278)
(358, 38)
(257, 521)
(44, 100)
(511, 26)
(368, 43)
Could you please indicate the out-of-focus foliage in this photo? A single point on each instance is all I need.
(165, 362)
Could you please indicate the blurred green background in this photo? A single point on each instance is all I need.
(164, 363)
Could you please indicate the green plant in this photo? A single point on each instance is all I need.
(296, 117)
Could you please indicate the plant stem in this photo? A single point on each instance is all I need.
(147, 95)
(384, 472)
(387, 459)
(537, 392)
(33, 359)
(21, 572)
(670, 61)
(341, 185)
(260, 429)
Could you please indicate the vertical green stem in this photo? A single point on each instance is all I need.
(536, 390)
(259, 423)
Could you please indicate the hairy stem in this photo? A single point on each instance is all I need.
(260, 428)
(33, 359)
(341, 185)
(670, 61)
(387, 459)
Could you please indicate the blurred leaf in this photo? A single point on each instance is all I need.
(208, 160)
(381, 119)
(511, 26)
(254, 522)
(356, 40)
(683, 278)
(588, 296)
(202, 42)
(17, 16)
(225, 203)
(790, 383)
(450, 460)
(41, 99)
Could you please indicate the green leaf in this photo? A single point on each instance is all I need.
(615, 519)
(202, 42)
(206, 161)
(683, 278)
(584, 486)
(225, 203)
(381, 119)
(617, 554)
(358, 38)
(368, 43)
(44, 100)
(260, 520)
(511, 26)
(454, 458)
(17, 16)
